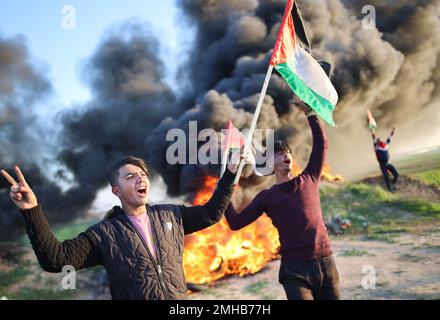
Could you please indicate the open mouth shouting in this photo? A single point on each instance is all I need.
(142, 191)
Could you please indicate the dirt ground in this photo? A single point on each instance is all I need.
(406, 266)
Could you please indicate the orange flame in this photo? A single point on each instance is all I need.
(218, 251)
(326, 175)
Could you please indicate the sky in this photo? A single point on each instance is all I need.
(63, 51)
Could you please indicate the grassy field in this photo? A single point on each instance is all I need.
(375, 212)
(20, 275)
(429, 176)
(380, 214)
(419, 162)
(410, 165)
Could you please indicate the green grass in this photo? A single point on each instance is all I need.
(11, 277)
(361, 201)
(420, 208)
(269, 296)
(12, 259)
(429, 177)
(71, 230)
(21, 269)
(257, 287)
(353, 253)
(375, 212)
(408, 164)
(65, 232)
(418, 163)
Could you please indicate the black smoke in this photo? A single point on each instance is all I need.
(130, 98)
(391, 69)
(23, 85)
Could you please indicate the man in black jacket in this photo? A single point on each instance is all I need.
(140, 246)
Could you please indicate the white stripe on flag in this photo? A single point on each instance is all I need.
(312, 74)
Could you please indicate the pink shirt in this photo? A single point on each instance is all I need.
(143, 226)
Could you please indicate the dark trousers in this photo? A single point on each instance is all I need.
(316, 279)
(389, 168)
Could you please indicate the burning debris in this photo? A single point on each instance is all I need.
(218, 251)
(337, 225)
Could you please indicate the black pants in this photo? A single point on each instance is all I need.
(310, 280)
(386, 168)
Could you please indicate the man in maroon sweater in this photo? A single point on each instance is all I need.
(307, 268)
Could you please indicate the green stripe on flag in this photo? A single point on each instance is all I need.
(320, 105)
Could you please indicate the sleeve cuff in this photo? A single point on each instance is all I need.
(310, 113)
(33, 215)
(228, 177)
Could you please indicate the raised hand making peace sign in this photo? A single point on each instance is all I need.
(21, 193)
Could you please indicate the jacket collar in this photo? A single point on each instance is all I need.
(117, 211)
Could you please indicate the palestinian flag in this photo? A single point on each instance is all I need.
(234, 139)
(233, 142)
(302, 72)
(371, 122)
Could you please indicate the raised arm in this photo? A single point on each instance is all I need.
(248, 215)
(391, 135)
(196, 218)
(319, 147)
(52, 255)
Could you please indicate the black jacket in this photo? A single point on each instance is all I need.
(114, 243)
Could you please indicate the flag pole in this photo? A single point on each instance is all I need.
(224, 162)
(254, 123)
(226, 145)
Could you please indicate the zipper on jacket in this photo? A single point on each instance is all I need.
(155, 237)
(156, 244)
(156, 265)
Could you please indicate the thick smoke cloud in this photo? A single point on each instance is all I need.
(23, 85)
(130, 98)
(393, 70)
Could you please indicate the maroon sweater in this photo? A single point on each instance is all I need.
(294, 207)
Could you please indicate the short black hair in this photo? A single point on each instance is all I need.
(280, 145)
(113, 169)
